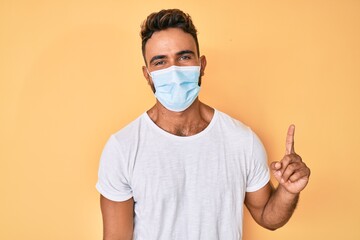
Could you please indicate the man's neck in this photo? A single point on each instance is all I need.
(186, 123)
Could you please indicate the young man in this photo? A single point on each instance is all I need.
(183, 170)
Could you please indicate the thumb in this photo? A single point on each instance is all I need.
(275, 169)
(275, 166)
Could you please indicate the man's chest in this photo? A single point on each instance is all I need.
(172, 174)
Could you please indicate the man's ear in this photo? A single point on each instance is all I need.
(203, 65)
(148, 78)
(202, 69)
(146, 74)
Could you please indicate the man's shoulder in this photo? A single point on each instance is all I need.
(236, 131)
(232, 123)
(130, 130)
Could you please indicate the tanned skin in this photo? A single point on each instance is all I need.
(270, 207)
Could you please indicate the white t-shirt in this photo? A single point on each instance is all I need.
(184, 188)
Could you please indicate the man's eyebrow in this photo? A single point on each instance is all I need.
(185, 52)
(157, 57)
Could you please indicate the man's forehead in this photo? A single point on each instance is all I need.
(169, 42)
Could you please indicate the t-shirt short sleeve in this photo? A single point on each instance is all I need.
(113, 175)
(258, 173)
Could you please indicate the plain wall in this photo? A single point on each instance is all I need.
(70, 75)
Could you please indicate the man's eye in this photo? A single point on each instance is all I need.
(159, 63)
(185, 57)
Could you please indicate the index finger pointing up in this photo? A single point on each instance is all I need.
(290, 140)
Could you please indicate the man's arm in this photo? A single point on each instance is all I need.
(118, 218)
(273, 208)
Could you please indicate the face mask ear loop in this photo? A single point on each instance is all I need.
(147, 70)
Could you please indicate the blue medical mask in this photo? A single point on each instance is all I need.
(176, 87)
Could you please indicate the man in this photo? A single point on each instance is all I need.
(183, 170)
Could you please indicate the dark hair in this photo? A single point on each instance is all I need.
(164, 19)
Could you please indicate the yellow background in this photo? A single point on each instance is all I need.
(70, 75)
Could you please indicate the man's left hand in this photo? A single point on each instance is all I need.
(291, 172)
